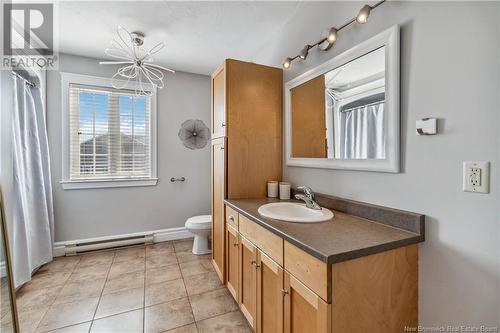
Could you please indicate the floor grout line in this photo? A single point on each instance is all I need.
(100, 296)
(185, 288)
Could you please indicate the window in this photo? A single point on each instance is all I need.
(109, 135)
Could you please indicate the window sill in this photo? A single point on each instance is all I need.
(107, 183)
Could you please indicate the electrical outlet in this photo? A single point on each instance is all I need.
(476, 176)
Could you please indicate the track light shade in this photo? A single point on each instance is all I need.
(287, 63)
(331, 37)
(363, 14)
(304, 52)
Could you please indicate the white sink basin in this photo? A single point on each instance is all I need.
(294, 212)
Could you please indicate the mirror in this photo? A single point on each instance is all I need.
(344, 114)
(8, 311)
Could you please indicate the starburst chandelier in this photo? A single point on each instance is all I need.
(137, 62)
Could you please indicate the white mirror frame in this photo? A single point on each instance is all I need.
(390, 40)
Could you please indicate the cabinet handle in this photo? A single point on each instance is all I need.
(285, 292)
(231, 218)
(254, 264)
(221, 148)
(223, 124)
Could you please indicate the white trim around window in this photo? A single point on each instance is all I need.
(69, 184)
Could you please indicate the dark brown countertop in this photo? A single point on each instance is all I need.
(342, 238)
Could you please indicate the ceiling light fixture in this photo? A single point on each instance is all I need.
(331, 36)
(137, 62)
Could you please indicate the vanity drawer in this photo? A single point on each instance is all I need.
(265, 240)
(311, 271)
(232, 217)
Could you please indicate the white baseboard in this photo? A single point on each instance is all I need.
(161, 235)
(58, 250)
(172, 234)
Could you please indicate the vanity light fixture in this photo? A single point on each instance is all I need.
(331, 36)
(330, 39)
(287, 62)
(363, 14)
(304, 52)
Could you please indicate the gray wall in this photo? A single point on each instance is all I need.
(449, 70)
(100, 212)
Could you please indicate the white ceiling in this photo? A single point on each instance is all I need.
(199, 35)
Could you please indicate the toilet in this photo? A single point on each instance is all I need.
(200, 226)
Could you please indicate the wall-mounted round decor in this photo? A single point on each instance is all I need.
(194, 134)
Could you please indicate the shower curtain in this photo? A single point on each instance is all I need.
(32, 213)
(362, 132)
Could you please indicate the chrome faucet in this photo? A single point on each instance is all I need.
(308, 197)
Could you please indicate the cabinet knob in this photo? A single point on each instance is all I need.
(231, 218)
(221, 148)
(223, 124)
(285, 292)
(254, 264)
(235, 244)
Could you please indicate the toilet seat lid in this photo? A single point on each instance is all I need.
(200, 219)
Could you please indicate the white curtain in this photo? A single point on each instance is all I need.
(362, 132)
(32, 214)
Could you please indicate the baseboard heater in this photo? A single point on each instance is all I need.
(78, 248)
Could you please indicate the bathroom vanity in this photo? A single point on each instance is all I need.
(355, 272)
(347, 274)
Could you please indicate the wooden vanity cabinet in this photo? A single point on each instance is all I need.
(304, 311)
(246, 125)
(281, 288)
(270, 298)
(270, 292)
(232, 261)
(248, 280)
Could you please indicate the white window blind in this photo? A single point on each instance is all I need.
(110, 134)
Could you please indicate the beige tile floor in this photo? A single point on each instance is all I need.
(155, 288)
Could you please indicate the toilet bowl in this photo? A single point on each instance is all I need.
(200, 226)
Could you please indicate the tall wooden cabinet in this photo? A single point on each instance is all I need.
(218, 194)
(246, 139)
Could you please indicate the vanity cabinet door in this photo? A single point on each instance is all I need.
(304, 311)
(232, 259)
(218, 215)
(269, 295)
(248, 280)
(219, 102)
